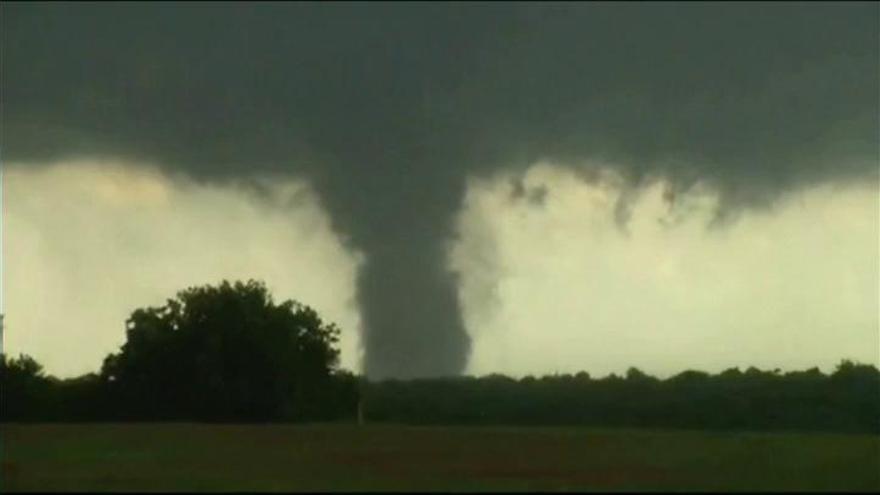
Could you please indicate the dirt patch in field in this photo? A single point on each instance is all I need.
(632, 476)
(9, 472)
(438, 464)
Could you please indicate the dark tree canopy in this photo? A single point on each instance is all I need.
(23, 387)
(226, 353)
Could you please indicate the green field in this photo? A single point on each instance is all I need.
(346, 457)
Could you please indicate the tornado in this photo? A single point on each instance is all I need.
(396, 205)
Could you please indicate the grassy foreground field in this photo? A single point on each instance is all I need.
(346, 457)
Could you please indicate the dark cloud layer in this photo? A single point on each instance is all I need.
(388, 108)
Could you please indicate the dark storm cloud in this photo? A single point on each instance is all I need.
(388, 108)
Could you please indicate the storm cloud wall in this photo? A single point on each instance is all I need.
(387, 109)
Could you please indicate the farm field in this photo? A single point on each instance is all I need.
(194, 457)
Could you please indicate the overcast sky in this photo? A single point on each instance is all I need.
(463, 188)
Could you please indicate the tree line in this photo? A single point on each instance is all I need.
(229, 353)
(847, 400)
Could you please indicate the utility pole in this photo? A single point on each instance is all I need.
(2, 290)
(360, 406)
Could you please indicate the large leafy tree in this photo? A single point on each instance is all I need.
(228, 353)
